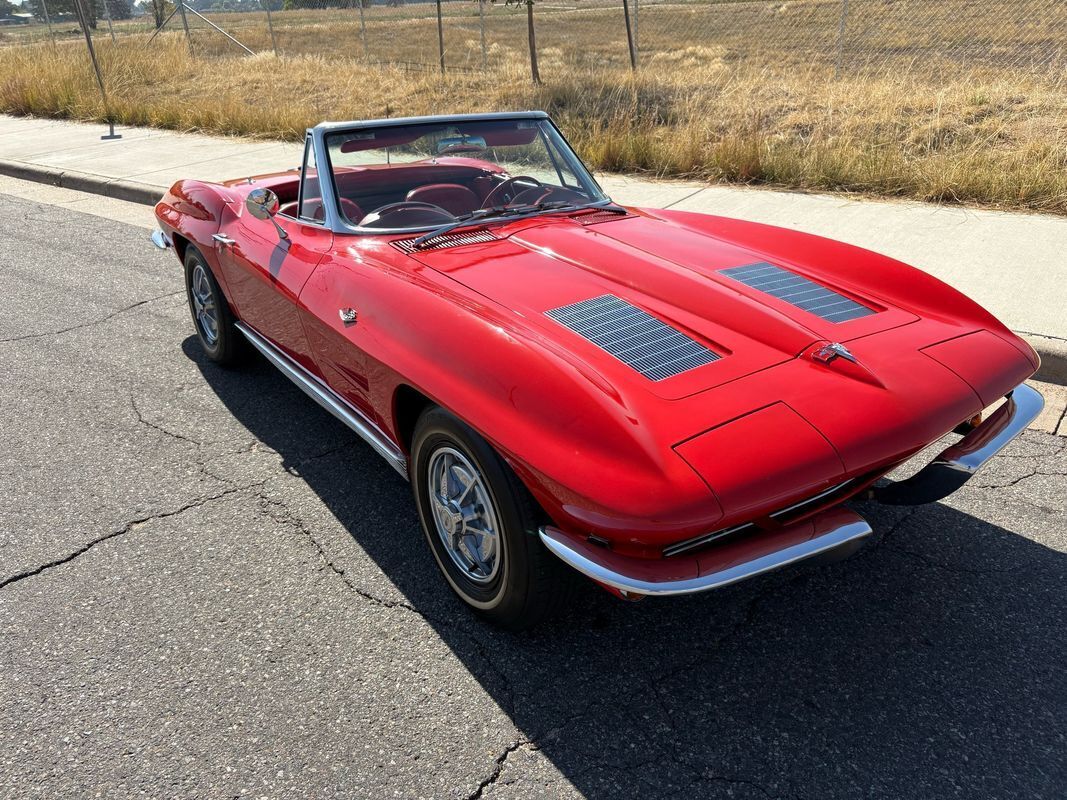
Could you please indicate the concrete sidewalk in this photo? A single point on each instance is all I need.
(1013, 264)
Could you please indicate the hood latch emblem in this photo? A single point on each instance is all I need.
(829, 352)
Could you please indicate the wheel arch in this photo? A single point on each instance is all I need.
(408, 405)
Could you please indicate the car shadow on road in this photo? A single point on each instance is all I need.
(929, 664)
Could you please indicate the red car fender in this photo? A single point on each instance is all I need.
(569, 423)
(875, 274)
(194, 211)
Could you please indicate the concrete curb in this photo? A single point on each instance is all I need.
(1053, 354)
(117, 188)
(1053, 351)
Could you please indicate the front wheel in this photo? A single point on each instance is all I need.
(212, 318)
(481, 525)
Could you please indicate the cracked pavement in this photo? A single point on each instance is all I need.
(210, 588)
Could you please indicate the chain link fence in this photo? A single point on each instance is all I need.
(841, 36)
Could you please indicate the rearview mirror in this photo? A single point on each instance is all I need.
(461, 144)
(263, 204)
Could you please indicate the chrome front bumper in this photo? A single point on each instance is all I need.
(836, 532)
(955, 466)
(833, 533)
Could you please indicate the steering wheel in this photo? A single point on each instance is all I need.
(504, 191)
(406, 205)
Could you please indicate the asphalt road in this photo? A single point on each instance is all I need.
(210, 588)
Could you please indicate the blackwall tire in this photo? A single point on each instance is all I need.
(212, 318)
(509, 578)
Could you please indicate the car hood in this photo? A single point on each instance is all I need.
(670, 272)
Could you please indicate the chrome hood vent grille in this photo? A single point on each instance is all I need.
(798, 291)
(633, 336)
(599, 216)
(445, 240)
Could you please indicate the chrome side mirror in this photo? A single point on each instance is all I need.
(263, 204)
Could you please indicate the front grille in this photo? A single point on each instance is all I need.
(633, 336)
(445, 240)
(798, 291)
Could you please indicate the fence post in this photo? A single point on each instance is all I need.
(440, 37)
(363, 30)
(270, 27)
(629, 34)
(532, 39)
(841, 39)
(107, 16)
(185, 22)
(637, 30)
(481, 26)
(48, 22)
(83, 18)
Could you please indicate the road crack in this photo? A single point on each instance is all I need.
(91, 323)
(284, 515)
(498, 768)
(141, 419)
(126, 528)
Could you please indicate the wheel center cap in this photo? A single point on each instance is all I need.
(452, 520)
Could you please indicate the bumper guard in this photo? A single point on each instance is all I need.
(955, 466)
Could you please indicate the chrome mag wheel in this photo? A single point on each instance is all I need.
(204, 307)
(464, 515)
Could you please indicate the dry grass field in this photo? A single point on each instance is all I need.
(954, 101)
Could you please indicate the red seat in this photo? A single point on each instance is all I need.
(452, 197)
(313, 209)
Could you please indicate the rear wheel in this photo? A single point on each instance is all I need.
(214, 322)
(481, 525)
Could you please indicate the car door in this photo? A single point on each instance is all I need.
(266, 272)
(340, 322)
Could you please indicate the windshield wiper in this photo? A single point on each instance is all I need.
(506, 212)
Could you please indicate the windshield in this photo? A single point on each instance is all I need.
(414, 177)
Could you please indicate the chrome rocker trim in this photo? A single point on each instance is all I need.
(330, 400)
(845, 537)
(955, 466)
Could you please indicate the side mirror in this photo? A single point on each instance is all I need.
(263, 204)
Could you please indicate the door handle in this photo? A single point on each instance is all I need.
(223, 240)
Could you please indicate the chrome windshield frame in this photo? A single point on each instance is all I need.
(335, 221)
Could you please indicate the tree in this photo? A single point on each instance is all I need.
(7, 8)
(159, 9)
(57, 7)
(119, 9)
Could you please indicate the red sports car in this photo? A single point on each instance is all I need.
(666, 402)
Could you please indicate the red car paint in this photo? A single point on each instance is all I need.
(608, 454)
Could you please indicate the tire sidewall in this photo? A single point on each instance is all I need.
(216, 351)
(507, 590)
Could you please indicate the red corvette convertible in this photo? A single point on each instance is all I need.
(666, 402)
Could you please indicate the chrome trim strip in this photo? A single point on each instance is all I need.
(813, 499)
(707, 538)
(955, 465)
(557, 542)
(703, 539)
(330, 400)
(160, 240)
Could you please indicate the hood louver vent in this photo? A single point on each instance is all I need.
(445, 240)
(636, 338)
(798, 291)
(599, 216)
